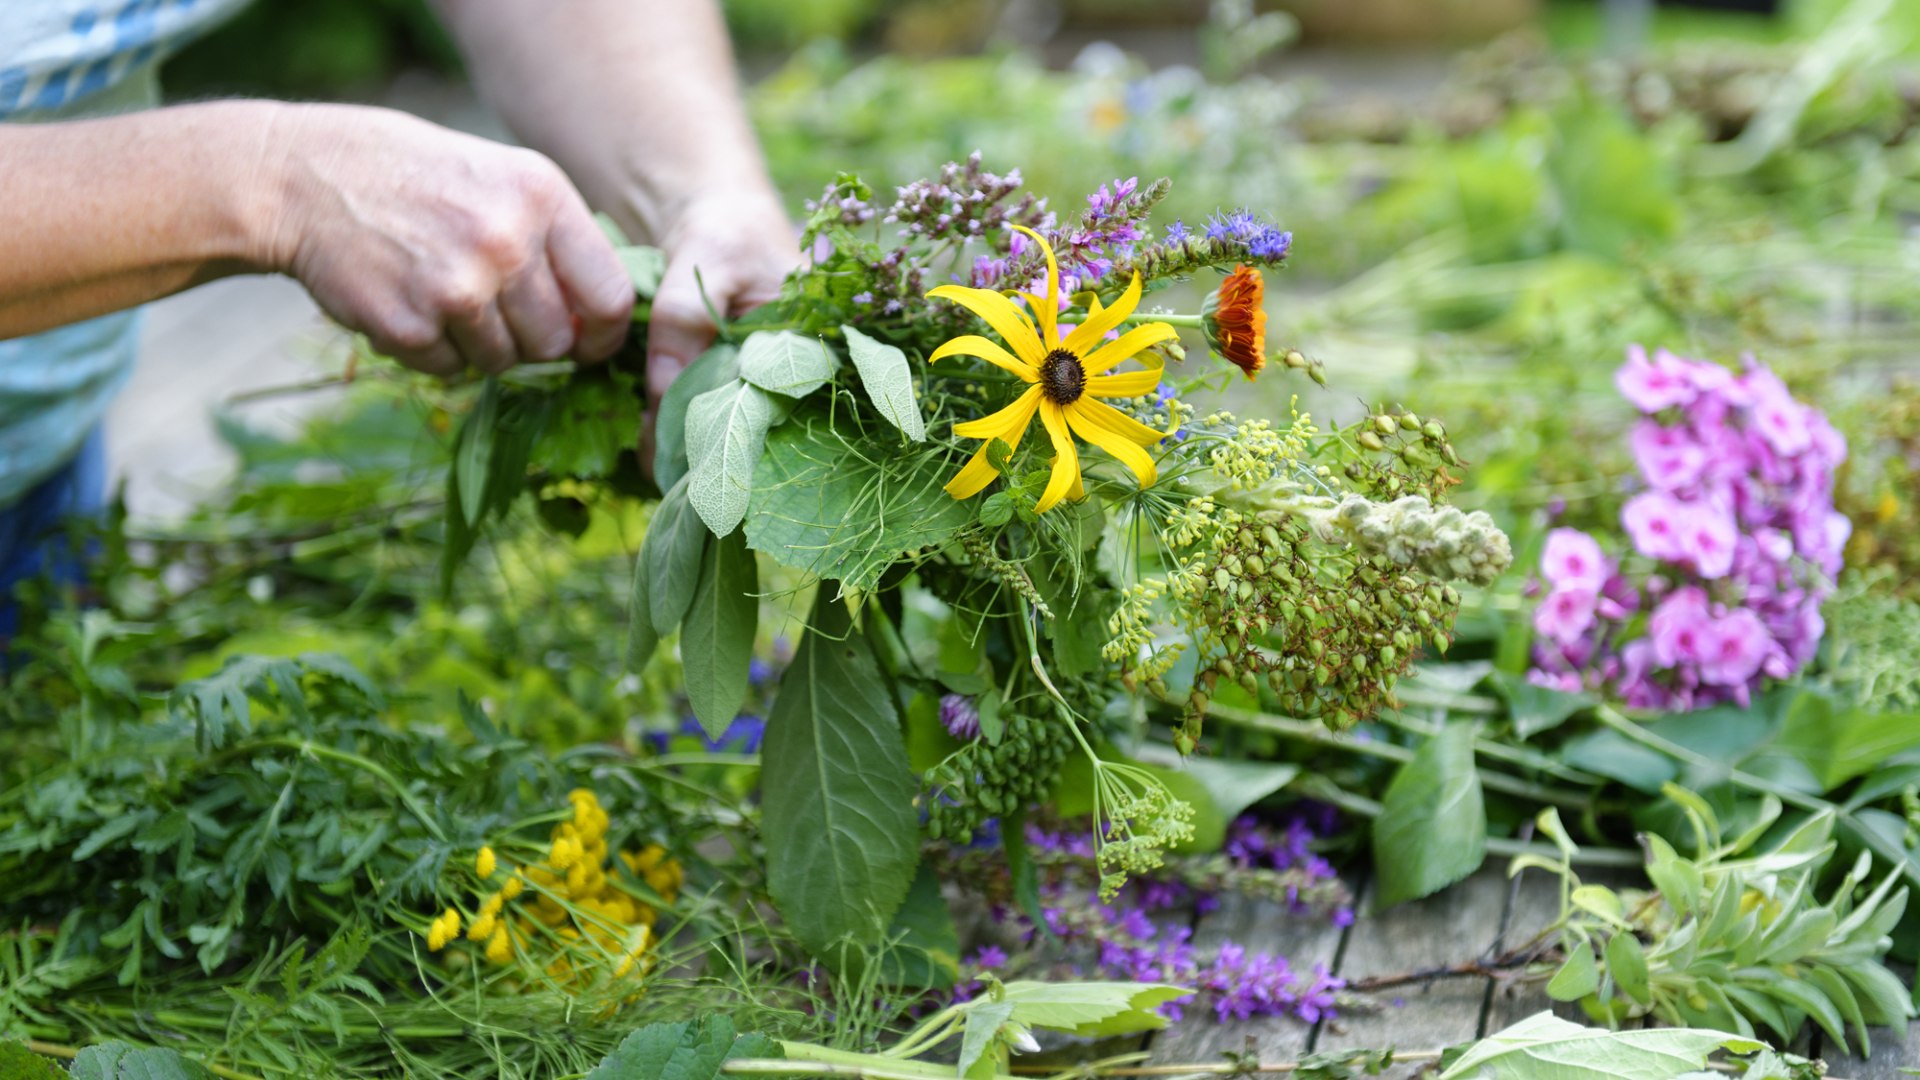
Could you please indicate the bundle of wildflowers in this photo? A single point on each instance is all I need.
(1732, 544)
(963, 429)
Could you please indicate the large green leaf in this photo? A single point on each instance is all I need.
(1839, 742)
(726, 430)
(825, 504)
(1091, 1008)
(923, 945)
(116, 1060)
(1432, 828)
(888, 377)
(713, 368)
(596, 416)
(671, 558)
(1534, 709)
(717, 644)
(785, 362)
(473, 453)
(841, 834)
(686, 1051)
(1545, 1047)
(642, 639)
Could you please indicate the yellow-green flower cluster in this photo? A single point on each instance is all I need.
(579, 916)
(1256, 451)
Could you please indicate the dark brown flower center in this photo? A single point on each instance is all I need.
(1062, 378)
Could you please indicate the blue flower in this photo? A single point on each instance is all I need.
(1178, 232)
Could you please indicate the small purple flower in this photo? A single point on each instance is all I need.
(959, 716)
(1177, 233)
(1270, 243)
(989, 958)
(1655, 383)
(1566, 613)
(1572, 557)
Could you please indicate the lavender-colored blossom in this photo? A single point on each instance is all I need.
(1571, 557)
(1177, 232)
(959, 716)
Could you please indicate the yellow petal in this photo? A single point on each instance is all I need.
(1111, 419)
(998, 312)
(1089, 333)
(1126, 346)
(978, 471)
(1066, 463)
(998, 425)
(1128, 383)
(1129, 452)
(975, 345)
(973, 477)
(1049, 312)
(1049, 323)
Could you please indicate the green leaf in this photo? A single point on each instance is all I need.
(823, 503)
(1543, 1045)
(785, 362)
(1534, 709)
(595, 417)
(841, 834)
(888, 379)
(1236, 785)
(1578, 975)
(1608, 753)
(726, 430)
(672, 555)
(717, 644)
(1810, 1001)
(716, 367)
(984, 1021)
(645, 266)
(1432, 828)
(1838, 742)
(116, 1060)
(473, 455)
(923, 945)
(686, 1051)
(642, 639)
(1091, 1008)
(1627, 963)
(19, 1063)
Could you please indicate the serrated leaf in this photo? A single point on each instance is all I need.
(1091, 1008)
(116, 1060)
(1543, 1045)
(824, 505)
(888, 379)
(726, 431)
(1432, 828)
(717, 645)
(713, 368)
(686, 1051)
(672, 554)
(841, 833)
(786, 362)
(1578, 975)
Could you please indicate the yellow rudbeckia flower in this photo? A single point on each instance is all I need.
(1069, 376)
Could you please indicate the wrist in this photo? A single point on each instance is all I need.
(657, 204)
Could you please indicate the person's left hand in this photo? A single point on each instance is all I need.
(743, 245)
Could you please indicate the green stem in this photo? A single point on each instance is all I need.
(1191, 322)
(1873, 841)
(876, 1066)
(1309, 731)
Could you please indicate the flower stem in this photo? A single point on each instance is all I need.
(1191, 322)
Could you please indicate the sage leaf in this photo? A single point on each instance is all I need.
(785, 362)
(842, 836)
(473, 460)
(1543, 1045)
(1432, 828)
(670, 556)
(717, 644)
(888, 379)
(726, 430)
(693, 1050)
(1091, 1008)
(715, 367)
(642, 639)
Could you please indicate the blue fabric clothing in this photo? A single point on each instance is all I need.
(60, 60)
(32, 540)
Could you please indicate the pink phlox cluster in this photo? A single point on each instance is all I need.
(1734, 538)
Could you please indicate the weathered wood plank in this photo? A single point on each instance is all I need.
(1457, 925)
(1257, 926)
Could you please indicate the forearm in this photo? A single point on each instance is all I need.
(636, 99)
(99, 215)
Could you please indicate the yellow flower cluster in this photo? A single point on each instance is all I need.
(578, 915)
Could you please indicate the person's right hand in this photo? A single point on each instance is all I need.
(446, 250)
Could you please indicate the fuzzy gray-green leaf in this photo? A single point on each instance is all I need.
(715, 367)
(785, 362)
(670, 556)
(717, 644)
(726, 430)
(888, 377)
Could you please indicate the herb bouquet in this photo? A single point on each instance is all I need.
(967, 430)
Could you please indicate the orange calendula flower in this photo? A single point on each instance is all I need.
(1235, 321)
(1068, 377)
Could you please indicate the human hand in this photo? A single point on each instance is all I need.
(446, 250)
(743, 246)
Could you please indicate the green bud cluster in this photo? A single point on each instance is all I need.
(979, 549)
(1405, 455)
(984, 780)
(1299, 361)
(1411, 532)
